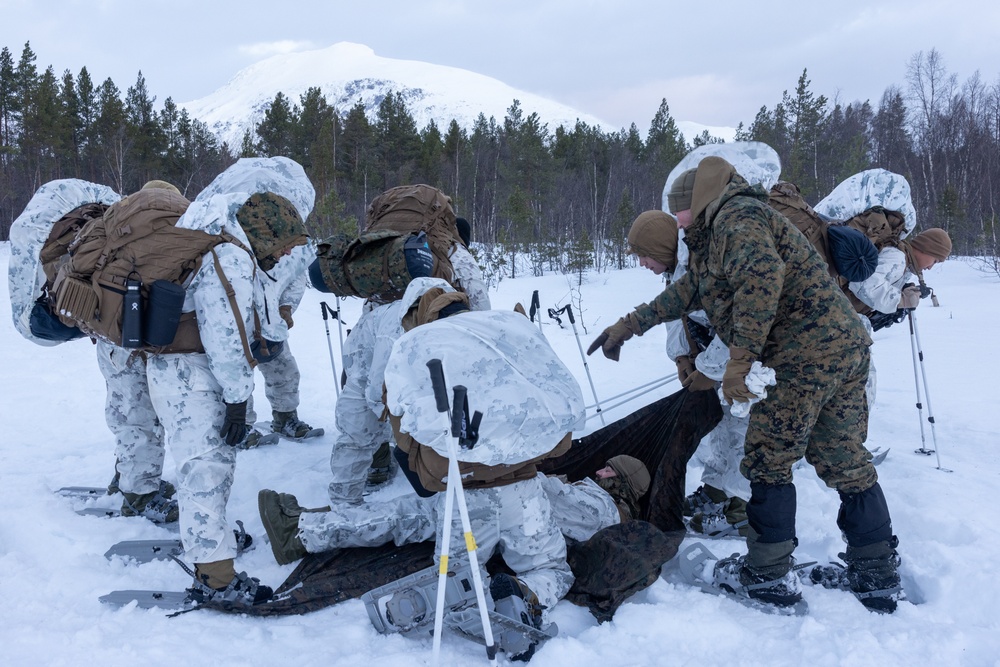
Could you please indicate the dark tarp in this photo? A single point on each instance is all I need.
(611, 566)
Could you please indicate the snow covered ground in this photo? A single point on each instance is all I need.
(52, 566)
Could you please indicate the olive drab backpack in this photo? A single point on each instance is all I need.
(409, 232)
(377, 265)
(134, 259)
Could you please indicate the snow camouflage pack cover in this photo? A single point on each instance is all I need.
(528, 397)
(755, 161)
(867, 189)
(610, 567)
(28, 233)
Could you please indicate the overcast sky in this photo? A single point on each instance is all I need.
(716, 62)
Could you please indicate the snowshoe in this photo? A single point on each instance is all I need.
(700, 567)
(255, 439)
(288, 425)
(146, 551)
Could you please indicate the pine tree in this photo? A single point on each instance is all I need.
(581, 256)
(9, 103)
(145, 136)
(276, 129)
(665, 145)
(397, 141)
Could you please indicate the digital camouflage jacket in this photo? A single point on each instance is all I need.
(760, 281)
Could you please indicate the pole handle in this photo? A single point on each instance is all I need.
(437, 381)
(458, 410)
(324, 308)
(569, 311)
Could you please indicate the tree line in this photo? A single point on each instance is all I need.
(563, 198)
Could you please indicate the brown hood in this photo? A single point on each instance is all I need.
(714, 175)
(654, 234)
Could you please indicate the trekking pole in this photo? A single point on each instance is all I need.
(455, 491)
(568, 309)
(918, 353)
(340, 327)
(329, 345)
(536, 306)
(656, 384)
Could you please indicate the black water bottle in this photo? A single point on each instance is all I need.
(132, 314)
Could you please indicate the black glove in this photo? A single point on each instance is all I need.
(234, 426)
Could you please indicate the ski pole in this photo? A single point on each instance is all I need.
(340, 327)
(455, 491)
(568, 308)
(329, 345)
(535, 307)
(649, 386)
(918, 353)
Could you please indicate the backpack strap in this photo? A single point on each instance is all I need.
(231, 294)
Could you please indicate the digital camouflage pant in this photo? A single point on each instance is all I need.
(817, 410)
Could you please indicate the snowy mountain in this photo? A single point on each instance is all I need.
(349, 73)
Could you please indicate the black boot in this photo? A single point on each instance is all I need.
(871, 557)
(872, 572)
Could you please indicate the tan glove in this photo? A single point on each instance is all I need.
(698, 381)
(685, 366)
(611, 339)
(734, 386)
(909, 297)
(286, 314)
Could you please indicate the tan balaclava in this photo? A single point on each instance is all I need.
(679, 197)
(654, 234)
(628, 486)
(713, 176)
(160, 185)
(934, 242)
(633, 471)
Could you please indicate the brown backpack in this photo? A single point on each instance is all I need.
(873, 225)
(419, 208)
(135, 240)
(786, 199)
(883, 228)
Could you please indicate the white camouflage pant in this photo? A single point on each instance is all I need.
(188, 399)
(579, 510)
(360, 434)
(130, 416)
(281, 384)
(517, 519)
(722, 451)
(402, 520)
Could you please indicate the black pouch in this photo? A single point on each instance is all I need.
(45, 325)
(162, 313)
(403, 459)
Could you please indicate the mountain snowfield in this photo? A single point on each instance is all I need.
(53, 568)
(349, 73)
